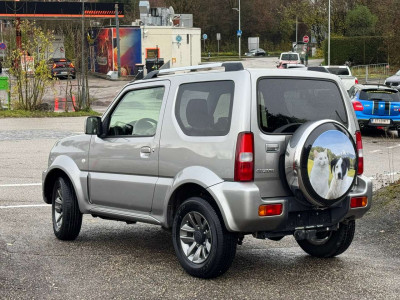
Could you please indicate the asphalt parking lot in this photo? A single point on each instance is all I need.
(115, 260)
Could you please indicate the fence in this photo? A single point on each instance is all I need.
(376, 73)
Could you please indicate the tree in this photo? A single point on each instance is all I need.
(360, 21)
(29, 65)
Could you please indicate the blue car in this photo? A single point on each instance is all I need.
(376, 106)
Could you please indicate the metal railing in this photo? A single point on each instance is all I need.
(373, 72)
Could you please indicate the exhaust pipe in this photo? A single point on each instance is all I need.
(361, 125)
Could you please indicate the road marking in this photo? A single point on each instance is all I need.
(23, 206)
(395, 146)
(374, 151)
(20, 184)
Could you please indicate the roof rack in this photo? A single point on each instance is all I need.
(229, 67)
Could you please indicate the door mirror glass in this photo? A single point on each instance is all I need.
(93, 126)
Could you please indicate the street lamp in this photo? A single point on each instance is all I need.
(239, 31)
(329, 32)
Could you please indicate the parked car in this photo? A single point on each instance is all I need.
(393, 81)
(256, 52)
(344, 74)
(294, 66)
(62, 67)
(288, 58)
(186, 152)
(376, 106)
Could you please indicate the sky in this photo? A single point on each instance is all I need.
(336, 141)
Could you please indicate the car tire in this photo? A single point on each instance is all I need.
(331, 243)
(66, 216)
(204, 247)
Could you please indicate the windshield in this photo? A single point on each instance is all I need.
(288, 56)
(388, 96)
(285, 103)
(338, 71)
(398, 73)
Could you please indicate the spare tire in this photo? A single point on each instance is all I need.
(321, 163)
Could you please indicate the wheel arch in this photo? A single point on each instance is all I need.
(186, 191)
(64, 166)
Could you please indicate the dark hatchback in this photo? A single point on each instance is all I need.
(376, 106)
(62, 68)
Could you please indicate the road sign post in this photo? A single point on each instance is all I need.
(218, 39)
(204, 40)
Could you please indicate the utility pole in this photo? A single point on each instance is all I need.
(240, 37)
(83, 56)
(118, 46)
(329, 32)
(297, 26)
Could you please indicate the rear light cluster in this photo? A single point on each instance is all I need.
(359, 147)
(356, 81)
(244, 158)
(357, 106)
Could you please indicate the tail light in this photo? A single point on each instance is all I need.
(54, 66)
(244, 158)
(356, 81)
(359, 147)
(357, 105)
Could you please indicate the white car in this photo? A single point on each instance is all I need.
(288, 58)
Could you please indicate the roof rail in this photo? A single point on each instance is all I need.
(229, 67)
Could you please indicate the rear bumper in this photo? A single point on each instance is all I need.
(394, 123)
(239, 203)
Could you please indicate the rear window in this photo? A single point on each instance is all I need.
(388, 96)
(205, 108)
(288, 56)
(339, 71)
(284, 104)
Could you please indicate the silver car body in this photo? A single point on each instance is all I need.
(141, 178)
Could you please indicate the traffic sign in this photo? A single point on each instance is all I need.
(306, 39)
(218, 36)
(3, 46)
(205, 36)
(178, 38)
(239, 33)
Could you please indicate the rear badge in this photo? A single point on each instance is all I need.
(264, 171)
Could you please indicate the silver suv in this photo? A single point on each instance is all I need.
(215, 155)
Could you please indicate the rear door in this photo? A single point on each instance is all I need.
(283, 104)
(124, 164)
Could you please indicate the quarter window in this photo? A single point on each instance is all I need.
(205, 108)
(137, 113)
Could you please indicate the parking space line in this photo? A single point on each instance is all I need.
(374, 151)
(23, 206)
(20, 184)
(395, 146)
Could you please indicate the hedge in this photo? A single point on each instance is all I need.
(360, 50)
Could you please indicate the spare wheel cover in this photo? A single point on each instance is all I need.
(321, 162)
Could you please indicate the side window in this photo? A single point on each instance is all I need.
(137, 113)
(205, 108)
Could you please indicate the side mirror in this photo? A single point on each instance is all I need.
(93, 126)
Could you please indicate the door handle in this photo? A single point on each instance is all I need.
(272, 147)
(146, 150)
